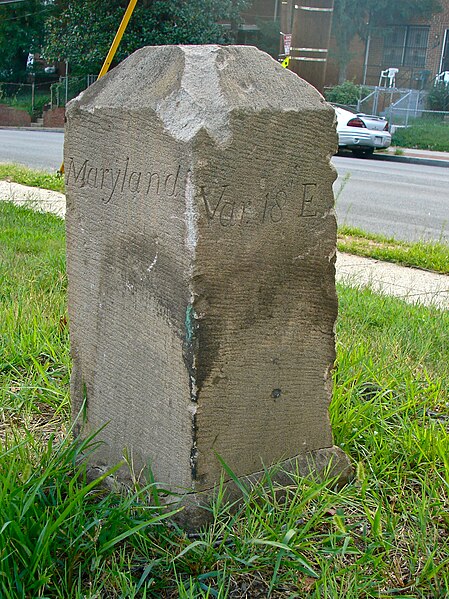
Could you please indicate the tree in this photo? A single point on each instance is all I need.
(84, 29)
(359, 17)
(268, 36)
(21, 33)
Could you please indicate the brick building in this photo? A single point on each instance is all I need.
(419, 50)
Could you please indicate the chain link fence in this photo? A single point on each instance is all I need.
(403, 117)
(31, 97)
(400, 106)
(68, 88)
(35, 97)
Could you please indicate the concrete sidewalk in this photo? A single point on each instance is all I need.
(410, 284)
(33, 197)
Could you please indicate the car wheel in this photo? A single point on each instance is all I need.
(363, 153)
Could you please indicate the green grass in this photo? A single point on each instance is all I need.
(424, 135)
(422, 254)
(384, 535)
(31, 177)
(33, 344)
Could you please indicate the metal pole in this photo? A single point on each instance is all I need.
(66, 82)
(376, 101)
(32, 97)
(117, 39)
(367, 49)
(408, 109)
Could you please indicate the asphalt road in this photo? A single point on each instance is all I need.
(37, 149)
(407, 201)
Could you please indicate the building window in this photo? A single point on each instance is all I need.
(406, 46)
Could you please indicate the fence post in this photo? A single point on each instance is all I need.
(418, 98)
(408, 109)
(376, 101)
(66, 81)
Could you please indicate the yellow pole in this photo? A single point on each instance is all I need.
(117, 39)
(113, 49)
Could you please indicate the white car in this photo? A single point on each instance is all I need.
(361, 133)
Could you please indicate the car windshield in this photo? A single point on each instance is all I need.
(347, 108)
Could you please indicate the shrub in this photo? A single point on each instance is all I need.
(347, 93)
(438, 98)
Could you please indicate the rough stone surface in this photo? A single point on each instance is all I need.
(201, 258)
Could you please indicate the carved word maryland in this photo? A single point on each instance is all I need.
(114, 181)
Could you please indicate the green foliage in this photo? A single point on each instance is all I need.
(423, 134)
(348, 19)
(154, 22)
(21, 32)
(347, 93)
(22, 100)
(438, 98)
(57, 526)
(268, 37)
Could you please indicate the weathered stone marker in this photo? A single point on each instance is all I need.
(200, 247)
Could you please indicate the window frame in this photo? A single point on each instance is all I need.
(405, 47)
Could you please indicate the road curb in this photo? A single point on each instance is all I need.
(411, 160)
(38, 129)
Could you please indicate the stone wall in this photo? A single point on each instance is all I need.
(54, 117)
(13, 117)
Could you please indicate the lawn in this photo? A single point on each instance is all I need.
(31, 177)
(428, 255)
(386, 534)
(423, 134)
